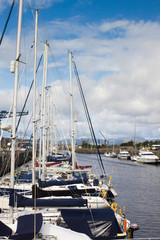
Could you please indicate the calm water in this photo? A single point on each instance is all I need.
(138, 188)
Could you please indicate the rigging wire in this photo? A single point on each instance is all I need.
(57, 97)
(60, 74)
(88, 116)
(28, 95)
(7, 22)
(23, 137)
(56, 65)
(18, 88)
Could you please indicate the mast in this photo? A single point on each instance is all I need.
(113, 145)
(44, 108)
(48, 120)
(75, 125)
(135, 134)
(34, 102)
(55, 132)
(51, 145)
(40, 136)
(71, 108)
(15, 98)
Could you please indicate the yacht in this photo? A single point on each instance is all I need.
(124, 155)
(110, 154)
(146, 156)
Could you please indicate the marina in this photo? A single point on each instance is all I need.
(137, 186)
(50, 188)
(75, 204)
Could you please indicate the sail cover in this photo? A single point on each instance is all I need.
(27, 177)
(51, 158)
(96, 223)
(25, 227)
(17, 200)
(5, 230)
(58, 182)
(72, 191)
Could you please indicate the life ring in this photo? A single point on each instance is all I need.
(114, 206)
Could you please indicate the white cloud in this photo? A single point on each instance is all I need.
(108, 26)
(120, 75)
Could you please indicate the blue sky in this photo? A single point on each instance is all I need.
(116, 45)
(96, 11)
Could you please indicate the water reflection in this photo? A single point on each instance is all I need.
(138, 188)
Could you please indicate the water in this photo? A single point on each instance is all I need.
(138, 188)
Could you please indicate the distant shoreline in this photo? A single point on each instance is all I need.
(102, 151)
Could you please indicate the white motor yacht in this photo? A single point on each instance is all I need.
(146, 156)
(124, 155)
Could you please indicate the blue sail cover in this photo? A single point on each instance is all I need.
(25, 227)
(27, 177)
(72, 191)
(77, 179)
(60, 182)
(52, 158)
(17, 200)
(6, 191)
(98, 224)
(5, 230)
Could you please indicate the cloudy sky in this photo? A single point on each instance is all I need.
(116, 47)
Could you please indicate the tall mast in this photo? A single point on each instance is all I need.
(44, 85)
(40, 135)
(75, 123)
(55, 132)
(34, 102)
(48, 120)
(51, 146)
(71, 107)
(15, 98)
(135, 134)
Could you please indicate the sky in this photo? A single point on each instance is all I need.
(116, 47)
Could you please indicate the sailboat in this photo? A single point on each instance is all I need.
(111, 154)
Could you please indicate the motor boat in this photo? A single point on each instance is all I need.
(110, 154)
(124, 155)
(148, 157)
